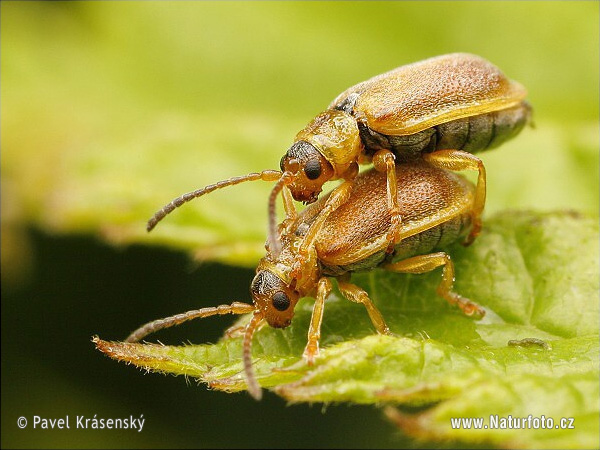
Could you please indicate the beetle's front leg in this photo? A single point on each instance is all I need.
(339, 196)
(314, 331)
(384, 161)
(237, 331)
(458, 160)
(290, 210)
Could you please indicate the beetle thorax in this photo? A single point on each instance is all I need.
(335, 134)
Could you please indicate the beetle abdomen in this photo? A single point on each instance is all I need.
(430, 240)
(472, 134)
(476, 133)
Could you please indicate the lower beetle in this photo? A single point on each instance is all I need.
(341, 234)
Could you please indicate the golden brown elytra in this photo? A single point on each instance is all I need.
(457, 101)
(341, 234)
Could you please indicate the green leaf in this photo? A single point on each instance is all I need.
(535, 352)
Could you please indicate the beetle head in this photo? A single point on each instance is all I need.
(309, 168)
(274, 301)
(324, 150)
(273, 298)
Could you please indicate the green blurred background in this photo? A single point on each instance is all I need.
(110, 109)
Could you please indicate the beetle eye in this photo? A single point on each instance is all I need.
(281, 302)
(312, 169)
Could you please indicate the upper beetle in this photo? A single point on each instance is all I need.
(457, 101)
(451, 102)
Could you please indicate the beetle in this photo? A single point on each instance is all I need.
(343, 234)
(457, 101)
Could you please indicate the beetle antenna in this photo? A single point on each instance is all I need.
(274, 242)
(253, 386)
(265, 175)
(151, 327)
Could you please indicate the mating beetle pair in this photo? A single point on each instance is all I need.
(415, 123)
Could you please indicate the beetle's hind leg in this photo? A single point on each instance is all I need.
(426, 263)
(355, 294)
(458, 160)
(384, 161)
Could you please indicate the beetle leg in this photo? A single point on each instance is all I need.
(355, 294)
(236, 331)
(273, 242)
(338, 197)
(289, 208)
(426, 263)
(384, 161)
(314, 331)
(459, 160)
